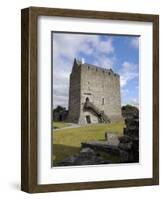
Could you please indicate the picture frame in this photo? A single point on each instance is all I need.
(29, 99)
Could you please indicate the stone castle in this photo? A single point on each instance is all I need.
(94, 94)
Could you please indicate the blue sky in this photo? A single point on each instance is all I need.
(121, 53)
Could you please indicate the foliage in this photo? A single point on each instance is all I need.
(129, 111)
(59, 109)
(59, 113)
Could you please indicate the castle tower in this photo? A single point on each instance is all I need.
(94, 94)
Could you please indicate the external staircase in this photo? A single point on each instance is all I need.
(102, 117)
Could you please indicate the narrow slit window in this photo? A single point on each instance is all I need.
(103, 101)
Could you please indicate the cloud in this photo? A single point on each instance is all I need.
(134, 102)
(60, 82)
(124, 92)
(105, 62)
(135, 42)
(105, 46)
(60, 100)
(129, 91)
(128, 72)
(96, 49)
(66, 47)
(71, 45)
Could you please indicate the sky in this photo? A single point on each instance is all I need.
(121, 53)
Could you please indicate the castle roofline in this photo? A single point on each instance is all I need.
(90, 66)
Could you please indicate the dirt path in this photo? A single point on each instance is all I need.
(71, 125)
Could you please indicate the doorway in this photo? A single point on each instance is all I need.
(88, 119)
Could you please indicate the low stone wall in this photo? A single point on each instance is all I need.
(125, 147)
(87, 156)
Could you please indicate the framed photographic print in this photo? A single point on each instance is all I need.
(90, 99)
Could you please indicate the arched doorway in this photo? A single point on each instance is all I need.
(88, 119)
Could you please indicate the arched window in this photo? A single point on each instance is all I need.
(87, 99)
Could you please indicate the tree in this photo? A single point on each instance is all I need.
(129, 111)
(59, 113)
(59, 109)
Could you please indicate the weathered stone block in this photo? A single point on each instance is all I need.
(112, 139)
(86, 156)
(126, 156)
(102, 146)
(125, 146)
(87, 150)
(124, 139)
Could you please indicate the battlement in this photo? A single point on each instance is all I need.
(86, 66)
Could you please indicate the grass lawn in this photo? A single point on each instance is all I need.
(57, 125)
(67, 142)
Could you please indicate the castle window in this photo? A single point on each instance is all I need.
(109, 73)
(87, 99)
(103, 101)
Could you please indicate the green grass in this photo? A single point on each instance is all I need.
(67, 142)
(57, 125)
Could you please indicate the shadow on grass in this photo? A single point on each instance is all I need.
(60, 152)
(55, 127)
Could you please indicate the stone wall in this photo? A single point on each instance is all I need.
(74, 94)
(102, 88)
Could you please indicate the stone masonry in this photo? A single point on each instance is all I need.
(94, 94)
